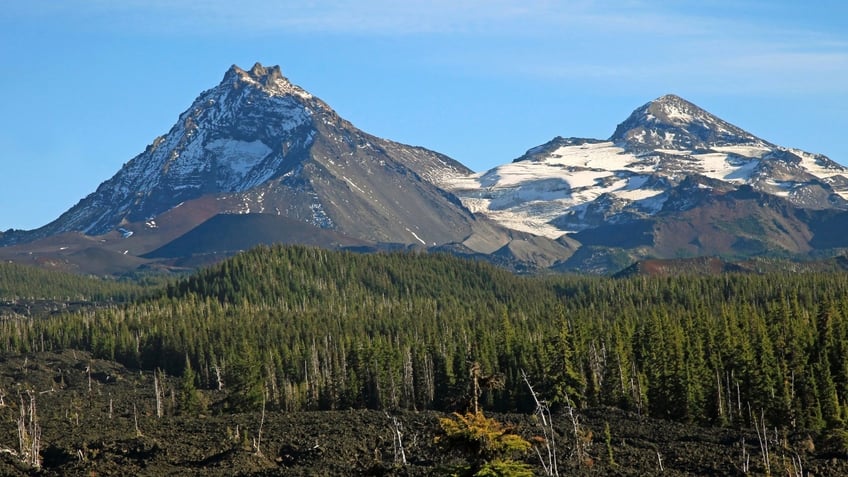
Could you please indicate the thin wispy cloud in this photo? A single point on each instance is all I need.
(594, 40)
(612, 41)
(374, 17)
(617, 18)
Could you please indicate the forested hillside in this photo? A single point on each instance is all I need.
(21, 282)
(317, 330)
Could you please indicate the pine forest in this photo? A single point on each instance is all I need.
(292, 328)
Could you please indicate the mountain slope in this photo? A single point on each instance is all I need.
(229, 233)
(670, 162)
(269, 146)
(257, 144)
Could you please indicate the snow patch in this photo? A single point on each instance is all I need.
(416, 236)
(636, 194)
(755, 152)
(350, 182)
(240, 157)
(719, 165)
(677, 116)
(653, 204)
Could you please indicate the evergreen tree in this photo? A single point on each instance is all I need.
(190, 400)
(245, 385)
(565, 383)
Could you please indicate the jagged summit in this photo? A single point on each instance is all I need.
(269, 78)
(671, 122)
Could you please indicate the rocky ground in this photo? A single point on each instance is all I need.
(98, 418)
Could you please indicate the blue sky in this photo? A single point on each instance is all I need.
(88, 84)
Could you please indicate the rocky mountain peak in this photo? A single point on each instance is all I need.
(270, 79)
(671, 122)
(257, 144)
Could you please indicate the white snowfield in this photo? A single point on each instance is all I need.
(528, 195)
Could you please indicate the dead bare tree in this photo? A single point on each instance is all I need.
(718, 397)
(29, 432)
(257, 442)
(158, 394)
(543, 412)
(480, 382)
(746, 458)
(218, 376)
(597, 363)
(636, 388)
(582, 439)
(274, 392)
(738, 398)
(135, 420)
(408, 378)
(797, 466)
(397, 440)
(762, 437)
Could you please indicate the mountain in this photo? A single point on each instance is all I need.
(258, 144)
(259, 160)
(673, 180)
(671, 122)
(264, 145)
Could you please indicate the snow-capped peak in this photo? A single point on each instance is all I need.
(671, 122)
(573, 184)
